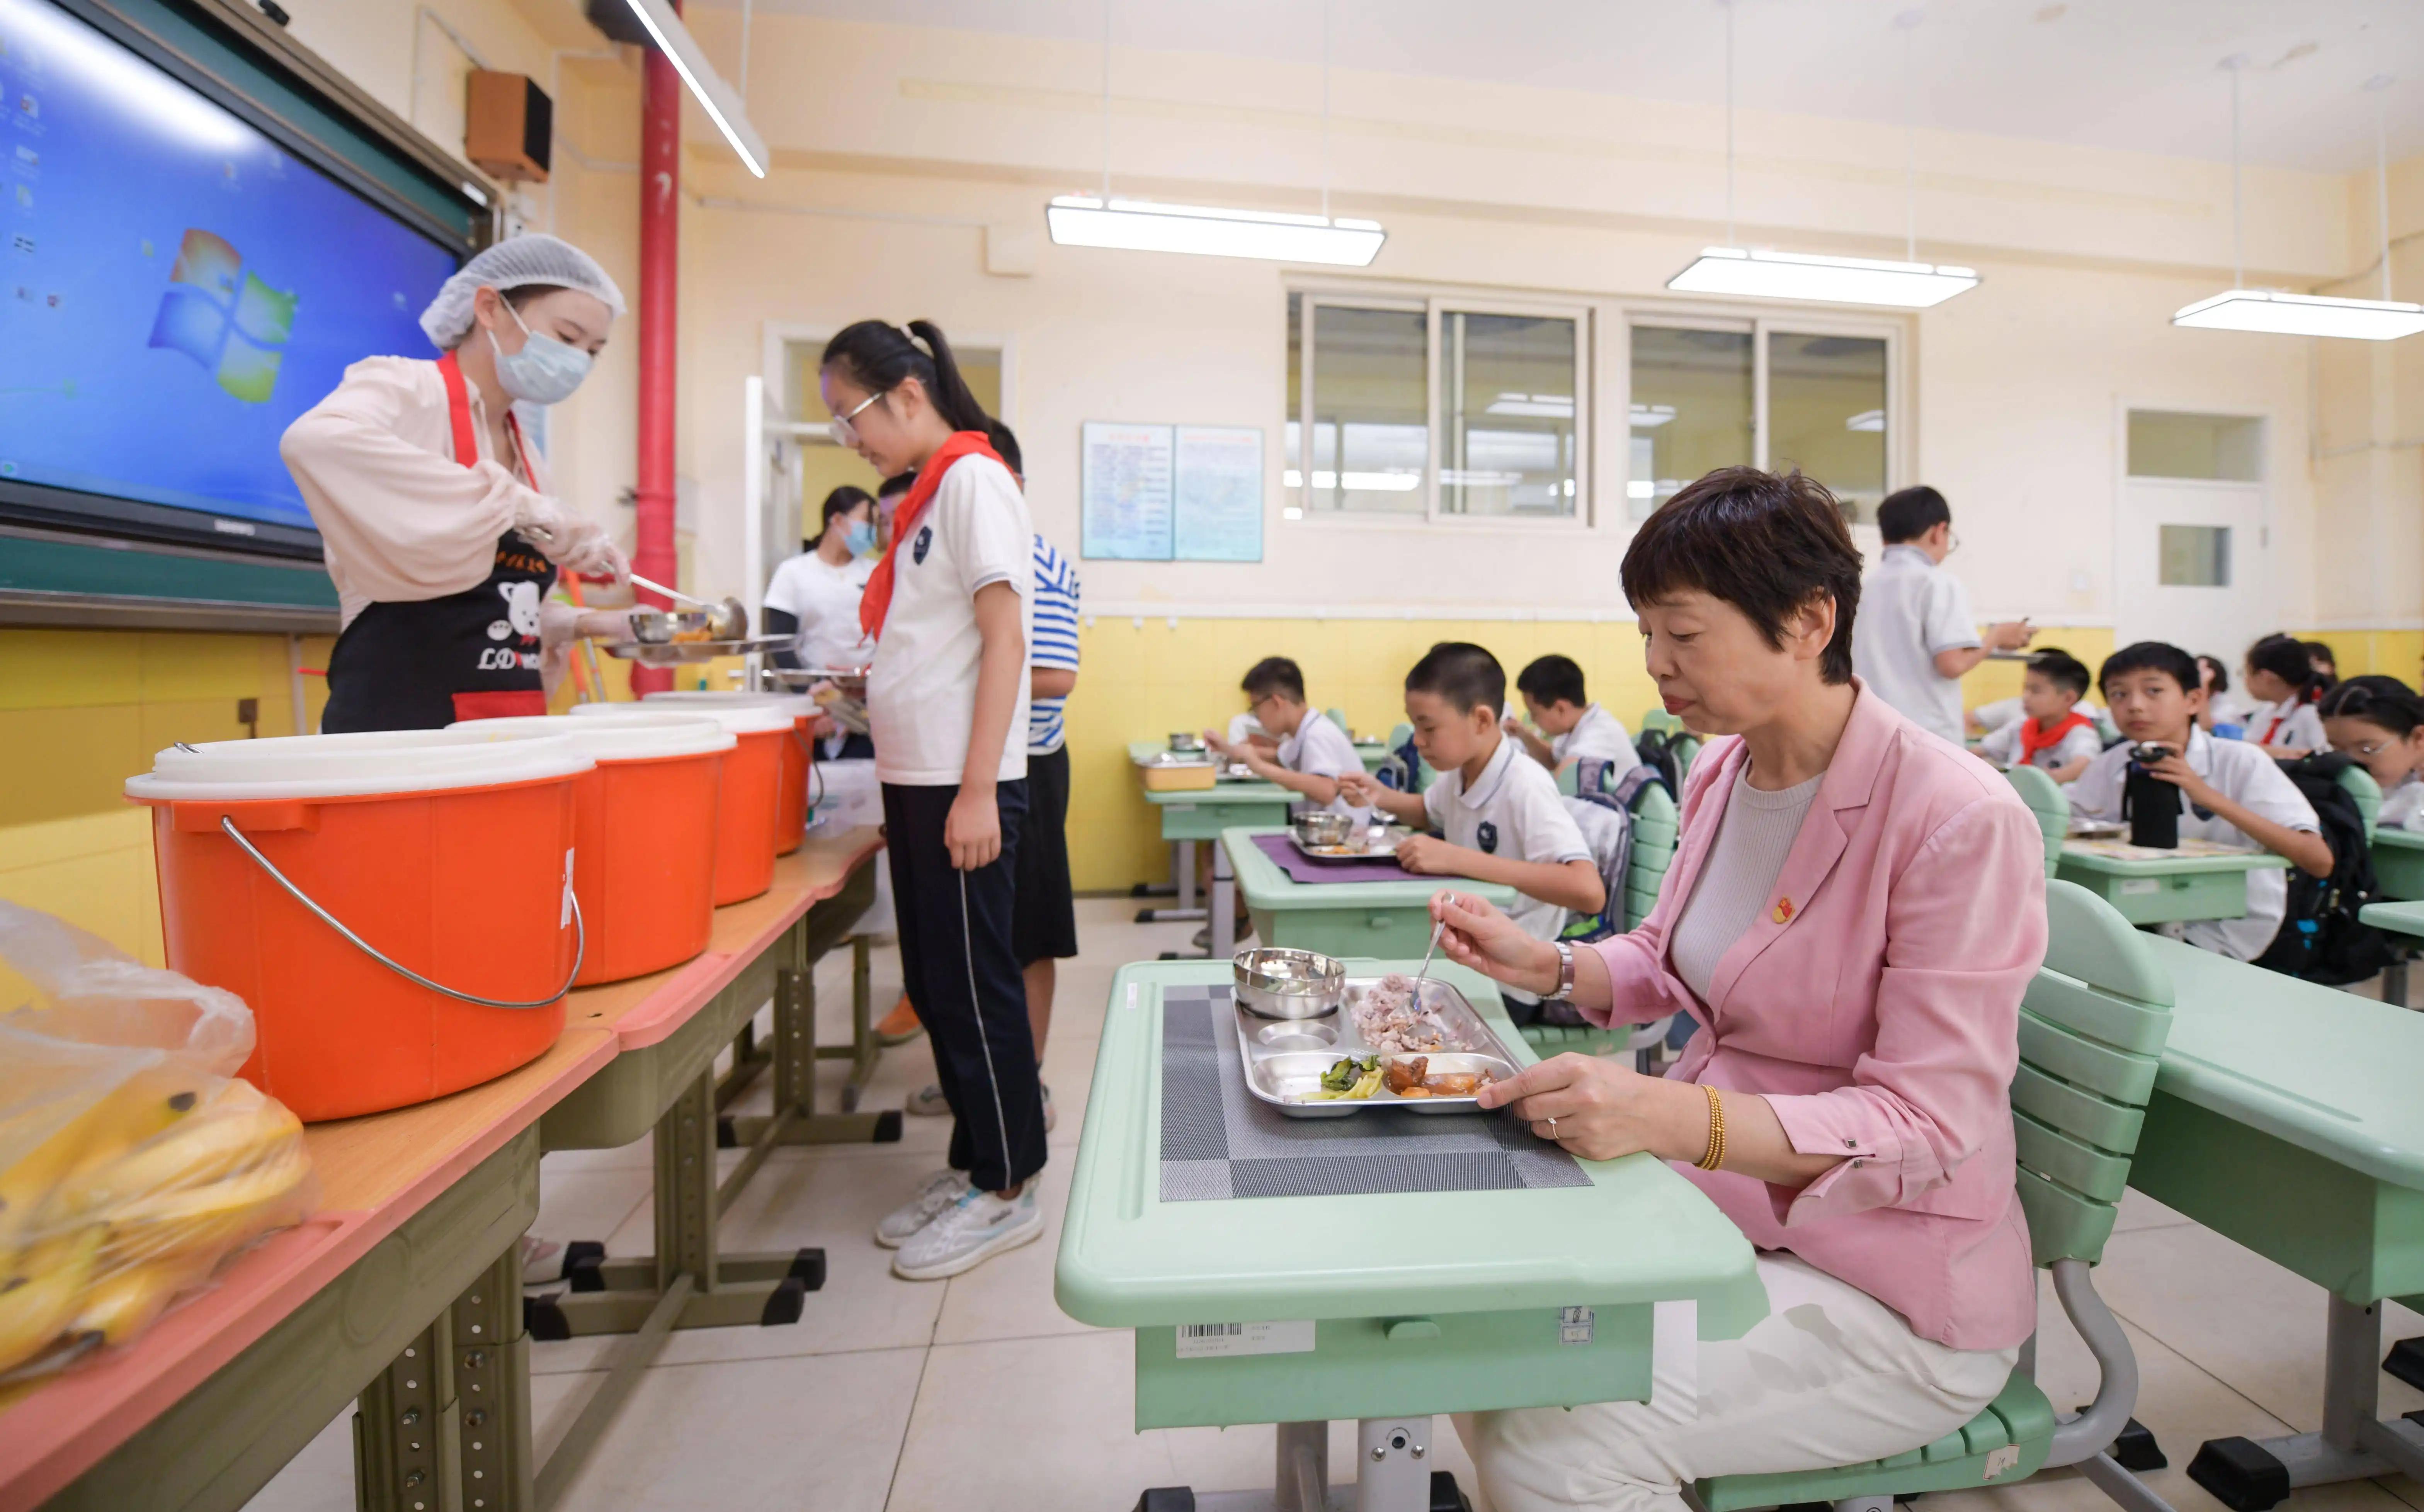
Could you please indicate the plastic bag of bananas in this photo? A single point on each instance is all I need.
(132, 1161)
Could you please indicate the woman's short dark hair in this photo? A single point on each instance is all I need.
(1766, 543)
(877, 356)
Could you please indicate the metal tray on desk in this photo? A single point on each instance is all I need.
(1283, 1058)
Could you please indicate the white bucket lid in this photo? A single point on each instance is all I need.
(799, 705)
(353, 766)
(641, 735)
(734, 719)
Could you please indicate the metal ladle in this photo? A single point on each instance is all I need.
(730, 621)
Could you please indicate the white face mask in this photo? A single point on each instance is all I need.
(544, 371)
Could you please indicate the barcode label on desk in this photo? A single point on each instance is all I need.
(1576, 1325)
(1205, 1341)
(2132, 886)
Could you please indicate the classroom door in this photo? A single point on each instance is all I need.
(2192, 566)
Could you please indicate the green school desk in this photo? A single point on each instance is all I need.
(1379, 919)
(2399, 918)
(2399, 863)
(1202, 815)
(1372, 750)
(1420, 1303)
(2286, 1117)
(2173, 890)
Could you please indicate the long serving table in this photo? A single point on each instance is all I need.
(2169, 890)
(2286, 1116)
(404, 1288)
(1348, 919)
(1386, 1306)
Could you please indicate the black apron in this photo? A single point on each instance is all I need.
(423, 664)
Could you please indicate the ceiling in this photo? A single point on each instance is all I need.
(2141, 75)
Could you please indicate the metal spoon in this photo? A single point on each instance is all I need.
(731, 622)
(1421, 975)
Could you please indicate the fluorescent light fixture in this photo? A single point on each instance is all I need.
(1867, 419)
(1546, 405)
(2304, 314)
(714, 96)
(1384, 483)
(1144, 226)
(1649, 417)
(1833, 281)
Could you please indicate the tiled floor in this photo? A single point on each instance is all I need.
(979, 1393)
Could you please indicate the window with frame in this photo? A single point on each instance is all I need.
(1435, 408)
(1714, 393)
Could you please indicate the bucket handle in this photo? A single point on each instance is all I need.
(580, 945)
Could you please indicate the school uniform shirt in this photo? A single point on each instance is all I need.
(825, 599)
(1513, 811)
(1994, 716)
(1911, 609)
(2290, 721)
(921, 691)
(2229, 709)
(2003, 746)
(1320, 748)
(1598, 735)
(2402, 807)
(2245, 775)
(1051, 643)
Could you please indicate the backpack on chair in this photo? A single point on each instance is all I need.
(2322, 939)
(1657, 751)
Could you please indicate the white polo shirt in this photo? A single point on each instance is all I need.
(2003, 746)
(2402, 807)
(1320, 748)
(921, 691)
(2290, 721)
(1513, 811)
(1911, 609)
(2245, 775)
(825, 599)
(1600, 735)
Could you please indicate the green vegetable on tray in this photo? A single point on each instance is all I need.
(1351, 1079)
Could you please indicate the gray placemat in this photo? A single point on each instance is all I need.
(1218, 1141)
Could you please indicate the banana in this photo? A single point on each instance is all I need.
(233, 1131)
(122, 1304)
(39, 1293)
(143, 1105)
(211, 1218)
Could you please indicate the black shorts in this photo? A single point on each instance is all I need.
(1043, 917)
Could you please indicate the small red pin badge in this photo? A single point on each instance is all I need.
(1783, 911)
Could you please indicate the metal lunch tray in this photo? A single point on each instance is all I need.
(1283, 1058)
(676, 653)
(1385, 850)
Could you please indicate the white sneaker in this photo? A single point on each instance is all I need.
(927, 1101)
(1050, 1118)
(543, 1259)
(976, 1228)
(937, 1193)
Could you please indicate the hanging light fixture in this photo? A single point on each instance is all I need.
(1910, 284)
(1149, 226)
(2242, 308)
(706, 87)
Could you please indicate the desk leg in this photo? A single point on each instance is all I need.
(795, 1118)
(862, 1050)
(2250, 1476)
(2394, 980)
(1393, 1473)
(749, 1059)
(408, 1429)
(1183, 869)
(1225, 905)
(447, 1426)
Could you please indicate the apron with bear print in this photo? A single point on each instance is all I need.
(426, 663)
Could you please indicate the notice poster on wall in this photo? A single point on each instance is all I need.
(1124, 489)
(1219, 504)
(1162, 493)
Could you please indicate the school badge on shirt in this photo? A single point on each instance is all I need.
(1488, 836)
(917, 548)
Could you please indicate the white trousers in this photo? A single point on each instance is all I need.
(1831, 1376)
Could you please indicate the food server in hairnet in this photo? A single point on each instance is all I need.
(440, 530)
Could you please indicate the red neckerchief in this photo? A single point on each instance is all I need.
(877, 600)
(2033, 739)
(467, 437)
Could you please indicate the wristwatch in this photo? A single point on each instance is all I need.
(1565, 993)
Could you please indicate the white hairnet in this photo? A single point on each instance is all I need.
(512, 264)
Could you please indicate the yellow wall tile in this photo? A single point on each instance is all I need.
(59, 669)
(57, 762)
(94, 871)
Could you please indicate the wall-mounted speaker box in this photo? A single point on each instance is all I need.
(508, 124)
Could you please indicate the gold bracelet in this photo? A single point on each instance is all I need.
(1717, 1152)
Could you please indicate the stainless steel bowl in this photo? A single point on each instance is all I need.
(1185, 741)
(1325, 828)
(1289, 984)
(651, 627)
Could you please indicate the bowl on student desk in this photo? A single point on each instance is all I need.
(1185, 741)
(1279, 983)
(1324, 828)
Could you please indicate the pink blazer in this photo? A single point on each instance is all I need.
(1875, 1004)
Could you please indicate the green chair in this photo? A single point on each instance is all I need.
(2092, 1029)
(2365, 793)
(1658, 719)
(1654, 833)
(1337, 717)
(1687, 750)
(2045, 800)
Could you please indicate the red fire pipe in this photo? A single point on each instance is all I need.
(660, 116)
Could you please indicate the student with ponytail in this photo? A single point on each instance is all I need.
(2279, 674)
(2378, 722)
(951, 606)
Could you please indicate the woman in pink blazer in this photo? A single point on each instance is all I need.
(1853, 912)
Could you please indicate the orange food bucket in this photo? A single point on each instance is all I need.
(396, 907)
(748, 806)
(644, 837)
(791, 817)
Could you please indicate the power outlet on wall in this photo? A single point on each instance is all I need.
(248, 713)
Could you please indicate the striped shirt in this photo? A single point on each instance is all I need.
(1054, 643)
